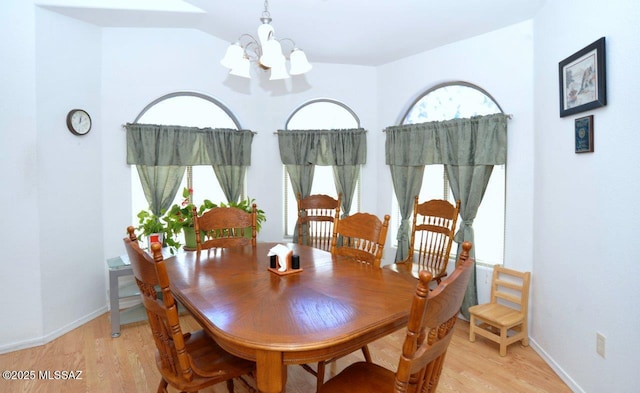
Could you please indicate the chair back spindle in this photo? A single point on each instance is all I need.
(225, 227)
(432, 232)
(361, 237)
(316, 215)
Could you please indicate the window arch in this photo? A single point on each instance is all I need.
(189, 109)
(452, 100)
(322, 113)
(455, 100)
(317, 114)
(196, 110)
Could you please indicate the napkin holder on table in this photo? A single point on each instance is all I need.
(283, 260)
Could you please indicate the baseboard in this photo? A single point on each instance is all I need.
(16, 346)
(555, 367)
(37, 341)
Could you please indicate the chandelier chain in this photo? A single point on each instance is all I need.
(265, 13)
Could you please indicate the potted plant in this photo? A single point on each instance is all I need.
(152, 227)
(179, 219)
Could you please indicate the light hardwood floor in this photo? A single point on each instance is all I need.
(126, 364)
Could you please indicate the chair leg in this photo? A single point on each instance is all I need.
(367, 354)
(249, 388)
(230, 385)
(503, 341)
(472, 325)
(525, 332)
(320, 375)
(162, 387)
(320, 370)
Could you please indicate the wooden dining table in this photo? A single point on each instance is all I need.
(331, 307)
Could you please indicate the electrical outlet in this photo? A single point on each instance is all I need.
(600, 344)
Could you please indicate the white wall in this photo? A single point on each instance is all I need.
(53, 279)
(20, 266)
(69, 172)
(586, 267)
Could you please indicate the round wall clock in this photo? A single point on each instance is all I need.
(78, 122)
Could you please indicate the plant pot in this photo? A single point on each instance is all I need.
(189, 238)
(155, 238)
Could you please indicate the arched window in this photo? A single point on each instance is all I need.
(187, 109)
(453, 101)
(318, 114)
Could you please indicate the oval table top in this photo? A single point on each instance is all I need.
(331, 307)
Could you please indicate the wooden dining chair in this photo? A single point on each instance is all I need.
(504, 319)
(432, 232)
(432, 319)
(186, 361)
(316, 214)
(361, 237)
(225, 227)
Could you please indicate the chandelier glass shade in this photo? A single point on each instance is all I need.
(266, 51)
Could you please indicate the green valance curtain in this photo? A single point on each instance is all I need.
(161, 154)
(336, 147)
(161, 145)
(343, 149)
(468, 148)
(479, 140)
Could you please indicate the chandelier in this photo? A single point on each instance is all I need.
(266, 51)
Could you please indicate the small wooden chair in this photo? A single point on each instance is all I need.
(431, 325)
(434, 225)
(188, 362)
(225, 227)
(316, 214)
(504, 319)
(362, 237)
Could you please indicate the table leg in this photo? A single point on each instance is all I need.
(114, 303)
(271, 372)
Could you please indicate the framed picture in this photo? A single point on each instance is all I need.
(584, 134)
(583, 80)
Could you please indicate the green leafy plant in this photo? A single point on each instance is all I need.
(180, 215)
(149, 223)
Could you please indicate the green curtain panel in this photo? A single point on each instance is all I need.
(468, 148)
(230, 178)
(406, 181)
(468, 184)
(160, 185)
(345, 178)
(301, 178)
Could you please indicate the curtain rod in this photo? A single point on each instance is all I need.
(253, 132)
(509, 116)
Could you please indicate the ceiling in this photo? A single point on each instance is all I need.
(371, 32)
